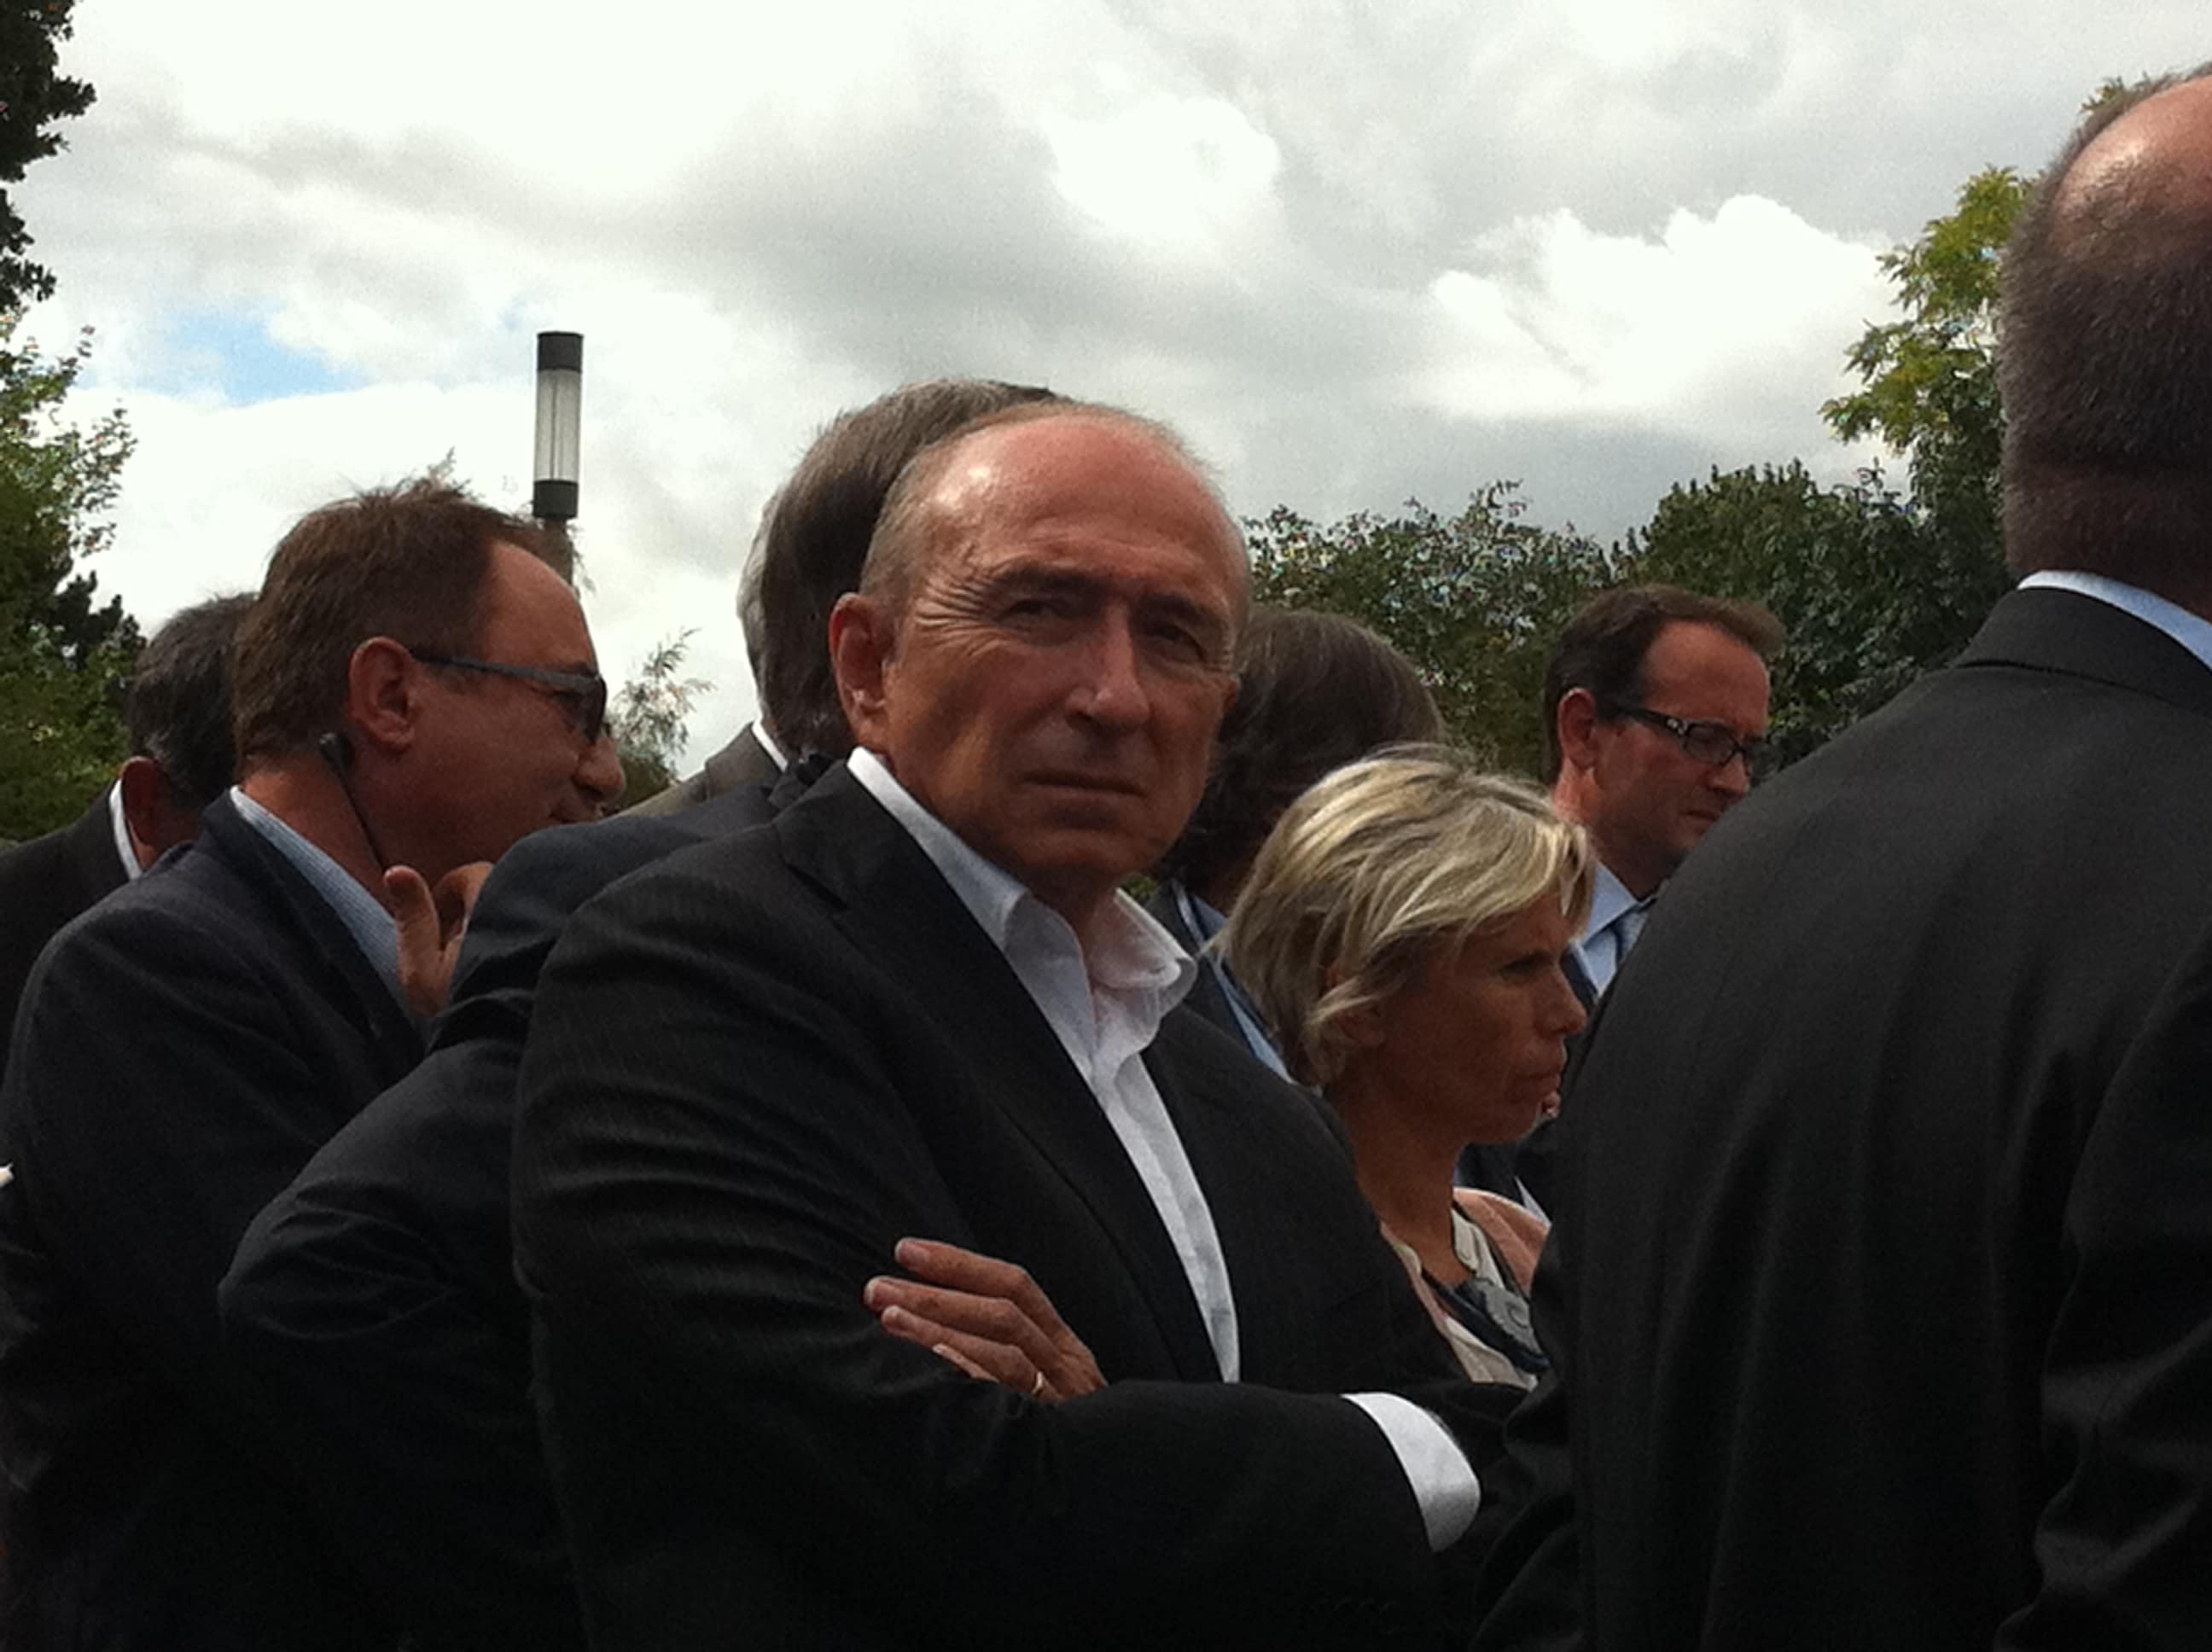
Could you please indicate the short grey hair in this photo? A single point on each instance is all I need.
(1372, 869)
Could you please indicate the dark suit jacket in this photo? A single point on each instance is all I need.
(757, 1066)
(1205, 999)
(186, 1044)
(1879, 1290)
(377, 1292)
(42, 884)
(744, 762)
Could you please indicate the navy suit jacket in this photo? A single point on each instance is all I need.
(184, 1047)
(1879, 1294)
(757, 1064)
(42, 884)
(377, 1292)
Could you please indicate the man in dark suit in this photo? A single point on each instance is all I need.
(413, 689)
(1880, 1293)
(379, 1299)
(918, 1007)
(807, 555)
(1655, 711)
(177, 711)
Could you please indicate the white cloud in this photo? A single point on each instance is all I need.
(1359, 251)
(1713, 324)
(1178, 170)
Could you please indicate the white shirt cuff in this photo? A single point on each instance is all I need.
(1442, 1481)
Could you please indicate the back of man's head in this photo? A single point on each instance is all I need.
(1603, 647)
(178, 706)
(2105, 357)
(814, 538)
(407, 563)
(1314, 692)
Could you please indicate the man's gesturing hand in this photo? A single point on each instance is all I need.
(985, 1317)
(431, 925)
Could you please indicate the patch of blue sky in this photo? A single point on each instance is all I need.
(229, 353)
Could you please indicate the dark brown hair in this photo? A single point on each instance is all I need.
(178, 704)
(1603, 647)
(814, 538)
(406, 562)
(1314, 692)
(2104, 368)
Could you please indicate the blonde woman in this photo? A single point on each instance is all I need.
(1401, 933)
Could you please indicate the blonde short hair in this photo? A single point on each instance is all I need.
(1374, 867)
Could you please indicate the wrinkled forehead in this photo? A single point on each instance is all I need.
(1069, 491)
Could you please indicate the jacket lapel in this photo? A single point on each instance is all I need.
(394, 1039)
(898, 909)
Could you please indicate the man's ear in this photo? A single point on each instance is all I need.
(860, 641)
(152, 817)
(1576, 721)
(383, 696)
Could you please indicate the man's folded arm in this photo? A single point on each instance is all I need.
(713, 1155)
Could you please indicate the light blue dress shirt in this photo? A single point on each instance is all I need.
(2190, 630)
(363, 915)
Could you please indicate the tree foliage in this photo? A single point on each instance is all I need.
(63, 653)
(1851, 570)
(33, 97)
(650, 718)
(1473, 600)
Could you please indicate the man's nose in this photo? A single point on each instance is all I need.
(1111, 690)
(1733, 777)
(599, 771)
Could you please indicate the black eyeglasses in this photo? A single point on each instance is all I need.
(582, 694)
(1712, 744)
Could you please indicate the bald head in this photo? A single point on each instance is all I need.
(2143, 174)
(1040, 649)
(994, 463)
(2106, 356)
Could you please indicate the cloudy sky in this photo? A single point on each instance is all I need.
(1358, 251)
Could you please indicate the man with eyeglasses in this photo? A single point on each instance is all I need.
(413, 689)
(1654, 724)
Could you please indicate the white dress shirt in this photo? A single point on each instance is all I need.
(132, 872)
(1105, 1005)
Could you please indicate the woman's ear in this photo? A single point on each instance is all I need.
(1362, 1024)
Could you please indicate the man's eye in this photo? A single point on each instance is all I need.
(1037, 607)
(1178, 643)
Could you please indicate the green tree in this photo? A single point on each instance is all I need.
(64, 654)
(33, 97)
(1845, 568)
(1875, 586)
(1475, 600)
(650, 718)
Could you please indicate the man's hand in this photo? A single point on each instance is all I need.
(985, 1317)
(431, 925)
